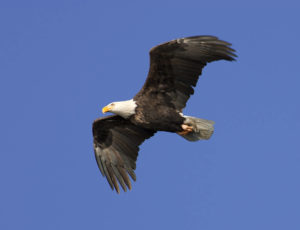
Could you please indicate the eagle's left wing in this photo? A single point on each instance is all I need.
(116, 146)
(175, 67)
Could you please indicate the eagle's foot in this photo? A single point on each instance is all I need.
(186, 129)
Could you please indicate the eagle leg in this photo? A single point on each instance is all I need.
(186, 129)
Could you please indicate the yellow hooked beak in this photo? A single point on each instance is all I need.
(106, 109)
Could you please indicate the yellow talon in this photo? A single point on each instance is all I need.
(186, 129)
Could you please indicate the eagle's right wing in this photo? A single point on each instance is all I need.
(116, 146)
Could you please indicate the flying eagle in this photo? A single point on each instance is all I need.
(175, 67)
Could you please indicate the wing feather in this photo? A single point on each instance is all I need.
(175, 66)
(116, 146)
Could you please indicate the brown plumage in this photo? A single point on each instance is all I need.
(116, 145)
(175, 67)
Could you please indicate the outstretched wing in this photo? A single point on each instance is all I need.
(116, 146)
(175, 67)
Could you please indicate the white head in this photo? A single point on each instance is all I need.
(122, 108)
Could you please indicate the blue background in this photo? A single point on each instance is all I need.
(62, 61)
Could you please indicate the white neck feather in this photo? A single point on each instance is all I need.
(124, 108)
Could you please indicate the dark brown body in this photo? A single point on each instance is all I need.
(157, 114)
(175, 67)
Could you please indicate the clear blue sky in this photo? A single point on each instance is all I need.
(61, 61)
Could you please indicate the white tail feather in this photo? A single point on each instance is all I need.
(202, 129)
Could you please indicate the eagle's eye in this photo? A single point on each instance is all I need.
(112, 104)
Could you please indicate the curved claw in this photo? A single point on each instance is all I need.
(186, 129)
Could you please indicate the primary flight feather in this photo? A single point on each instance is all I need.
(175, 67)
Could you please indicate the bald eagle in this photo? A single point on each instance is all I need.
(175, 67)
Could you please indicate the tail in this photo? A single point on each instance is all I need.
(202, 129)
